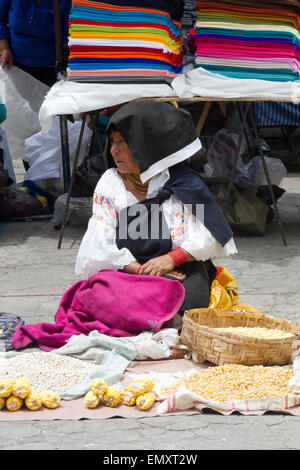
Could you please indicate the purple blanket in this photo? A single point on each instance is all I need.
(113, 303)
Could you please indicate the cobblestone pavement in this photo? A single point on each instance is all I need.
(33, 276)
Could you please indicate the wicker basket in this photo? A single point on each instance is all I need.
(218, 347)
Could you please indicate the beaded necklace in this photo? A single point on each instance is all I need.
(133, 180)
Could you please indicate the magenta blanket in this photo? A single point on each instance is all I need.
(114, 303)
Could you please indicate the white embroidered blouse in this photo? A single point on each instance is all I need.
(98, 249)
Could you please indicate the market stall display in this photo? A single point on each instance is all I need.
(211, 336)
(235, 382)
(248, 40)
(16, 393)
(139, 392)
(125, 41)
(43, 372)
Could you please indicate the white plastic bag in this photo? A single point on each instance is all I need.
(255, 170)
(220, 158)
(80, 208)
(155, 345)
(7, 163)
(23, 96)
(43, 151)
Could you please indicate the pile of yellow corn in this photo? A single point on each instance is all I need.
(236, 382)
(139, 392)
(257, 332)
(15, 393)
(101, 392)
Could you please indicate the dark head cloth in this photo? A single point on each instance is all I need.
(158, 135)
(161, 136)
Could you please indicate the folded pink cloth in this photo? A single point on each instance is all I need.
(111, 302)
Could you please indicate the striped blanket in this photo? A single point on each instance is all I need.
(8, 325)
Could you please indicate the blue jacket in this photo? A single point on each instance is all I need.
(30, 29)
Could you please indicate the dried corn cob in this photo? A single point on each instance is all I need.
(2, 403)
(21, 388)
(91, 400)
(33, 401)
(112, 396)
(13, 403)
(50, 399)
(98, 387)
(146, 401)
(141, 386)
(257, 332)
(127, 397)
(6, 386)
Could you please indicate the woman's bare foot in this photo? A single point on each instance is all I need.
(177, 353)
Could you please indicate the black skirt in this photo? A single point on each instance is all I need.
(197, 284)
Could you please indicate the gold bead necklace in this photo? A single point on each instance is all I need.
(133, 180)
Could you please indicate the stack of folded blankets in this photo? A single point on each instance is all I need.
(125, 40)
(249, 38)
(188, 22)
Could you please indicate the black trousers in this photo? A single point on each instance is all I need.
(45, 75)
(197, 284)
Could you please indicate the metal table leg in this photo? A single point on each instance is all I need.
(96, 135)
(71, 181)
(259, 145)
(247, 107)
(65, 151)
(236, 156)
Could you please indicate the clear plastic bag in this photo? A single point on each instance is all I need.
(43, 151)
(220, 159)
(255, 170)
(80, 209)
(22, 95)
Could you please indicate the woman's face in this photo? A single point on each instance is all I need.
(121, 154)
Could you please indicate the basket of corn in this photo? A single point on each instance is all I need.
(223, 336)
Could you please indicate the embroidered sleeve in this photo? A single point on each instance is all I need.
(190, 233)
(103, 210)
(98, 249)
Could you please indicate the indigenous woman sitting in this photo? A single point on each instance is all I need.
(148, 174)
(146, 254)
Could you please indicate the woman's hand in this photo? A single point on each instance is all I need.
(131, 268)
(6, 57)
(159, 266)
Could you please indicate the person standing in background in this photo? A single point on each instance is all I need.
(3, 113)
(27, 36)
(7, 174)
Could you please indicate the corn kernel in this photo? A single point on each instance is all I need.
(146, 401)
(2, 403)
(21, 388)
(33, 401)
(236, 382)
(14, 403)
(256, 332)
(6, 387)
